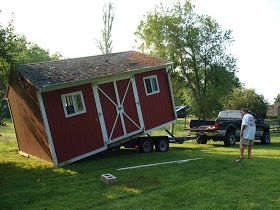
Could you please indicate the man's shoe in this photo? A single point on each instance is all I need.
(239, 160)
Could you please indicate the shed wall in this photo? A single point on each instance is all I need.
(28, 122)
(76, 135)
(157, 109)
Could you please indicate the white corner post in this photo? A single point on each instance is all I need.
(137, 101)
(171, 93)
(48, 131)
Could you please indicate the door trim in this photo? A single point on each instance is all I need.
(100, 113)
(120, 113)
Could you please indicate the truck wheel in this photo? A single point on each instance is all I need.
(201, 140)
(230, 139)
(146, 145)
(265, 138)
(162, 145)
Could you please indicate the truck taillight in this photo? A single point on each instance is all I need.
(216, 125)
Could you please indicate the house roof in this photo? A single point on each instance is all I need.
(53, 73)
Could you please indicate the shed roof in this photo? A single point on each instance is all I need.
(46, 74)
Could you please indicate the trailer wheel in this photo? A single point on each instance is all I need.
(201, 140)
(162, 145)
(146, 145)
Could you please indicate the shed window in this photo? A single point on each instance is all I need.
(151, 85)
(73, 104)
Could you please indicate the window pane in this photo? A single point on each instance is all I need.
(234, 115)
(69, 105)
(78, 103)
(222, 115)
(148, 85)
(154, 82)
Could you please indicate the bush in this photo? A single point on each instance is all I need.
(4, 109)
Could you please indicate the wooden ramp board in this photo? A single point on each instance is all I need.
(155, 164)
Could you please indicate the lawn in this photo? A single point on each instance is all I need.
(215, 182)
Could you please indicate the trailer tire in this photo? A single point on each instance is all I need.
(162, 145)
(115, 149)
(201, 140)
(230, 138)
(146, 145)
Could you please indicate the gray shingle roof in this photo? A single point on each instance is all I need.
(51, 73)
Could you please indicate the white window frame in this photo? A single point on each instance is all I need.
(63, 98)
(153, 91)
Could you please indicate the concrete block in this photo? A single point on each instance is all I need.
(108, 179)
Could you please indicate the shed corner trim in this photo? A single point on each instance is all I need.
(47, 128)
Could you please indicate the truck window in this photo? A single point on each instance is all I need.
(223, 115)
(234, 115)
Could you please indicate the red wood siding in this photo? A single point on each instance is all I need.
(76, 135)
(28, 122)
(157, 109)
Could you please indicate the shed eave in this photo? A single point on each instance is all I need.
(9, 82)
(46, 88)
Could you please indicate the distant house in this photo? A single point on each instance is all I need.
(273, 110)
(67, 110)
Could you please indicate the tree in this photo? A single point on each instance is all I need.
(179, 89)
(248, 98)
(105, 45)
(197, 46)
(277, 99)
(15, 49)
(8, 55)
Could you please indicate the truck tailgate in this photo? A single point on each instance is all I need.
(201, 123)
(203, 129)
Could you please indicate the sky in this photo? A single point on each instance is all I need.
(72, 27)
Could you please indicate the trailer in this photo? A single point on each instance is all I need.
(67, 110)
(146, 143)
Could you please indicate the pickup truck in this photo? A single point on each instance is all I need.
(226, 128)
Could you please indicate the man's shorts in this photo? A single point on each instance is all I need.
(246, 142)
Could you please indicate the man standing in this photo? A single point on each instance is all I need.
(247, 133)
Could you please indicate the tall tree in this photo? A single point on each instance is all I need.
(277, 99)
(197, 46)
(179, 89)
(8, 53)
(242, 97)
(105, 45)
(15, 49)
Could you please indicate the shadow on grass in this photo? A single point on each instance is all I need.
(78, 185)
(23, 185)
(257, 145)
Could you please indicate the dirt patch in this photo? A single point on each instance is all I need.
(147, 180)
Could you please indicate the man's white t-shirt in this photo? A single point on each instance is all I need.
(250, 130)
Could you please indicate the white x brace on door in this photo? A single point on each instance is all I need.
(119, 109)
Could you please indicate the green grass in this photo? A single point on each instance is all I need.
(215, 182)
(179, 128)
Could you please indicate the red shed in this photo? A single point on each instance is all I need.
(67, 110)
